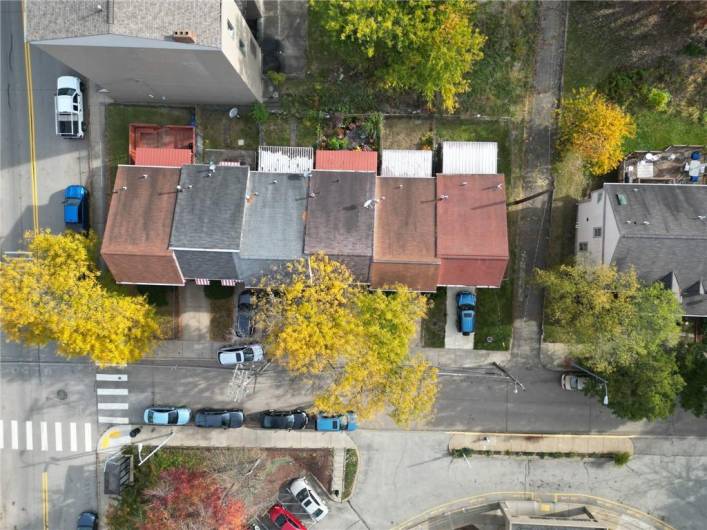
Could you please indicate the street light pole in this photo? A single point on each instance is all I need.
(139, 450)
(595, 376)
(516, 383)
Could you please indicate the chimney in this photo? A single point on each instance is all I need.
(185, 36)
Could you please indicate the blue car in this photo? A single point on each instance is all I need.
(466, 312)
(167, 416)
(76, 207)
(337, 422)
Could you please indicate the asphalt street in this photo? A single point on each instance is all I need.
(32, 415)
(403, 474)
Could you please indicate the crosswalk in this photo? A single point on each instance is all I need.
(51, 436)
(112, 396)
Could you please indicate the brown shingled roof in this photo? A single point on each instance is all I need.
(472, 234)
(139, 224)
(404, 243)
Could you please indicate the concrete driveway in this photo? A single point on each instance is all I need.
(452, 337)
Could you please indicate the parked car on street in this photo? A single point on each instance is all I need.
(573, 381)
(87, 521)
(76, 207)
(466, 312)
(336, 422)
(230, 355)
(167, 415)
(225, 419)
(284, 419)
(244, 314)
(68, 107)
(282, 518)
(308, 499)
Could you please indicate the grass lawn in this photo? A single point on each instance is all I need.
(494, 317)
(480, 131)
(433, 325)
(500, 81)
(404, 133)
(221, 132)
(276, 130)
(119, 118)
(658, 130)
(350, 470)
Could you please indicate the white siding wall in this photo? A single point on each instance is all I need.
(470, 158)
(275, 159)
(240, 47)
(611, 233)
(406, 163)
(590, 215)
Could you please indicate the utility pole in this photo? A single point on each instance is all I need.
(516, 383)
(139, 450)
(531, 197)
(595, 376)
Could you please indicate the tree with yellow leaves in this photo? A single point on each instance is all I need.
(595, 129)
(55, 295)
(427, 46)
(318, 322)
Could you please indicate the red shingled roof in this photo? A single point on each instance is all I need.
(472, 234)
(347, 160)
(162, 156)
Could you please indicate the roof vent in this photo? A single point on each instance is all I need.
(185, 36)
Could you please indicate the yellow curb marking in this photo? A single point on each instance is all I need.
(31, 130)
(45, 499)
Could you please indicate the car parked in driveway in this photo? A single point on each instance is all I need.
(245, 326)
(167, 415)
(76, 207)
(573, 381)
(215, 418)
(284, 419)
(282, 518)
(230, 355)
(308, 499)
(68, 107)
(87, 521)
(336, 422)
(466, 312)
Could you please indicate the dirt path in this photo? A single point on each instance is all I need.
(534, 217)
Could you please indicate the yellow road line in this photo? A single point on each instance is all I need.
(31, 132)
(45, 499)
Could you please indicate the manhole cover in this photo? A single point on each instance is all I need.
(62, 395)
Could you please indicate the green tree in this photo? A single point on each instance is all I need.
(692, 361)
(610, 317)
(593, 127)
(427, 46)
(647, 389)
(319, 322)
(56, 296)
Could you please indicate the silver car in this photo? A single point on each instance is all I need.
(232, 355)
(308, 499)
(573, 381)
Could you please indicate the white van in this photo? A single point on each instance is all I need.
(68, 107)
(308, 499)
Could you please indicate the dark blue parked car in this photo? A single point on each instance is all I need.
(87, 521)
(466, 312)
(76, 207)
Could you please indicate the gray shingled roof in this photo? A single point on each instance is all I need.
(273, 223)
(337, 222)
(661, 233)
(208, 265)
(209, 215)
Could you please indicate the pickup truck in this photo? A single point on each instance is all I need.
(68, 107)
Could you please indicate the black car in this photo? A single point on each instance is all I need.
(244, 314)
(226, 419)
(87, 521)
(284, 419)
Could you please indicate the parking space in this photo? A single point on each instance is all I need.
(452, 336)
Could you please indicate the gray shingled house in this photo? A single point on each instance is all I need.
(208, 218)
(659, 229)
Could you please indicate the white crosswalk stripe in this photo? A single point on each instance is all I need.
(15, 437)
(72, 437)
(88, 441)
(2, 434)
(29, 439)
(44, 436)
(114, 403)
(57, 436)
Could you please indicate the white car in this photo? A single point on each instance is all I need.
(573, 381)
(231, 355)
(308, 499)
(68, 107)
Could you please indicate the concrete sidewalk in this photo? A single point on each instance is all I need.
(462, 358)
(541, 443)
(191, 350)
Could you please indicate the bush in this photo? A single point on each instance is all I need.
(337, 144)
(277, 78)
(156, 294)
(621, 459)
(259, 113)
(694, 49)
(426, 141)
(658, 99)
(216, 291)
(350, 470)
